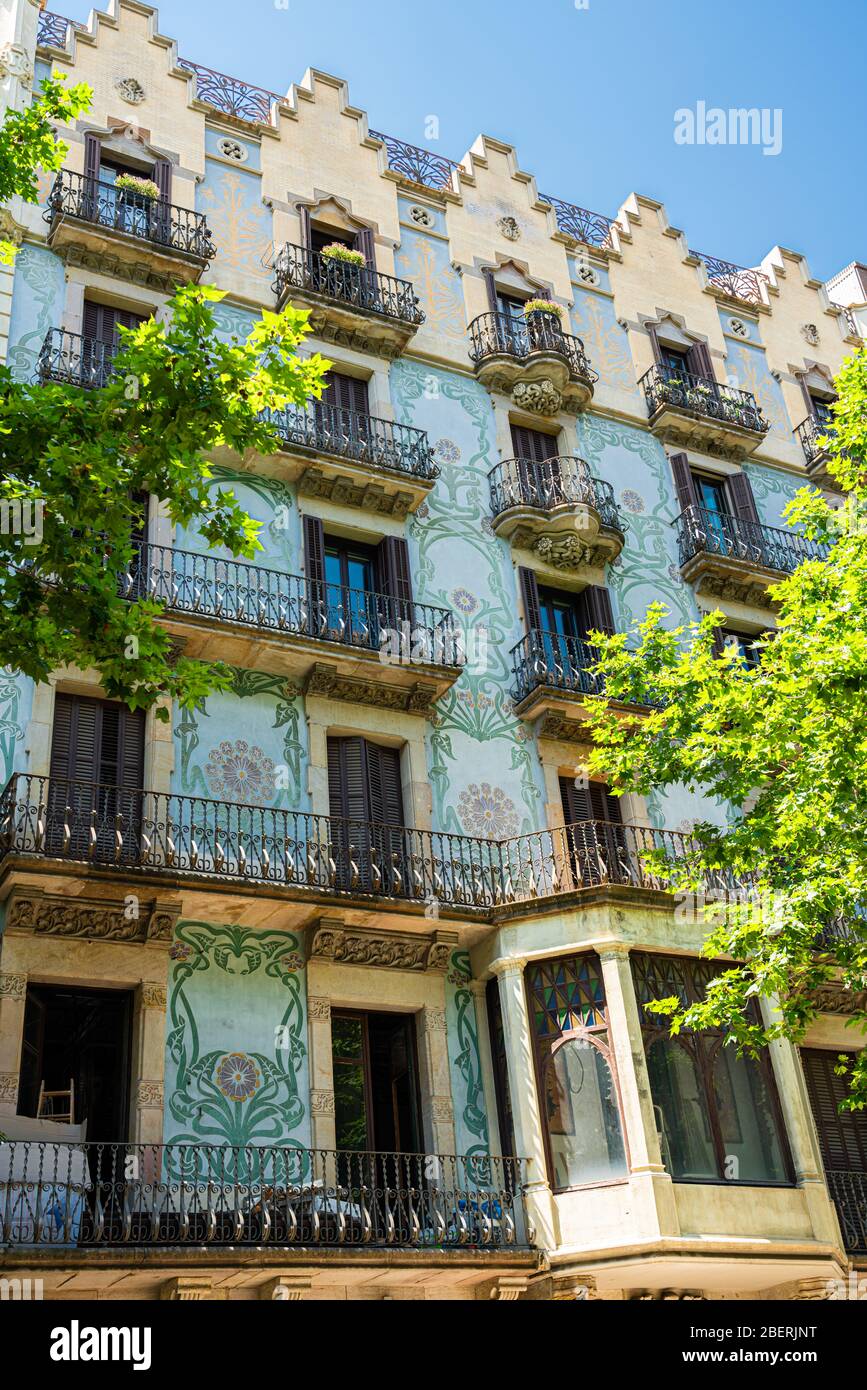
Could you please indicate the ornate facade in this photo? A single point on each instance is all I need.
(359, 966)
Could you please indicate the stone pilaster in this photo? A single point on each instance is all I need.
(486, 1061)
(150, 1055)
(323, 1130)
(439, 1120)
(13, 993)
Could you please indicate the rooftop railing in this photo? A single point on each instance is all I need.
(591, 228)
(358, 286)
(270, 600)
(416, 164)
(151, 833)
(702, 531)
(498, 334)
(702, 396)
(152, 220)
(92, 1195)
(552, 483)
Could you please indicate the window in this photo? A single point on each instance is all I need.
(595, 840)
(349, 590)
(533, 445)
(842, 1133)
(101, 340)
(375, 1082)
(717, 1114)
(821, 409)
(501, 1068)
(575, 1072)
(323, 236)
(673, 361)
(712, 494)
(749, 654)
(356, 591)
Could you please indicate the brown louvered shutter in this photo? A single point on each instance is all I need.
(699, 362)
(314, 549)
(92, 155)
(306, 228)
(490, 289)
(809, 399)
(347, 779)
(385, 800)
(346, 392)
(603, 804)
(364, 242)
(684, 483)
(530, 599)
(842, 1135)
(654, 344)
(101, 321)
(576, 801)
(163, 179)
(75, 738)
(743, 501)
(719, 641)
(533, 444)
(392, 564)
(594, 610)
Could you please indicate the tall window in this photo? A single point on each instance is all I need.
(717, 1114)
(575, 1072)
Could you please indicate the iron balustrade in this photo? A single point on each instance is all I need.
(703, 531)
(360, 286)
(75, 360)
(809, 432)
(549, 658)
(702, 396)
(737, 281)
(270, 600)
(502, 335)
(52, 30)
(352, 434)
(849, 1195)
(147, 832)
(552, 483)
(230, 95)
(591, 228)
(123, 210)
(415, 164)
(97, 1195)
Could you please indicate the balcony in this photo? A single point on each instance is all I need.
(352, 305)
(542, 368)
(354, 458)
(849, 1195)
(82, 827)
(88, 218)
(81, 1197)
(728, 556)
(345, 643)
(811, 432)
(558, 510)
(73, 360)
(699, 412)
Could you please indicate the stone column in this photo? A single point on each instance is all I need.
(13, 994)
(529, 1139)
(483, 1033)
(655, 1211)
(436, 1085)
(146, 1125)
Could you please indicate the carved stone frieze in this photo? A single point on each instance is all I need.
(537, 397)
(361, 336)
(13, 986)
(835, 999)
(565, 552)
(322, 1102)
(134, 272)
(734, 590)
(153, 996)
(149, 1095)
(325, 680)
(319, 1008)
(389, 950)
(371, 497)
(99, 919)
(8, 1088)
(442, 1110)
(557, 726)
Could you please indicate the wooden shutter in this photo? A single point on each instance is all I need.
(346, 392)
(533, 444)
(101, 321)
(92, 155)
(97, 741)
(364, 242)
(684, 483)
(699, 362)
(306, 228)
(385, 800)
(594, 610)
(808, 397)
(654, 345)
(530, 599)
(842, 1135)
(314, 550)
(364, 781)
(593, 802)
(163, 179)
(743, 501)
(490, 289)
(392, 565)
(719, 641)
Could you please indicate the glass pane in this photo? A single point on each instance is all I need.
(681, 1111)
(751, 1143)
(346, 1037)
(712, 495)
(582, 1116)
(350, 1110)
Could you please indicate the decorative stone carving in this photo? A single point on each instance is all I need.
(508, 1288)
(738, 328)
(15, 62)
(10, 230)
(664, 1296)
(13, 986)
(98, 919)
(421, 216)
(557, 726)
(322, 1102)
(811, 333)
(371, 497)
(736, 591)
(390, 950)
(442, 1111)
(360, 337)
(233, 149)
(510, 228)
(832, 999)
(319, 1008)
(588, 274)
(813, 1290)
(286, 1288)
(149, 1095)
(324, 680)
(8, 1088)
(538, 397)
(564, 552)
(153, 996)
(132, 271)
(187, 1288)
(130, 89)
(434, 1020)
(573, 1288)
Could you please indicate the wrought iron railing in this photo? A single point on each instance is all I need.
(352, 434)
(591, 228)
(702, 396)
(737, 281)
(702, 531)
(52, 30)
(415, 164)
(148, 219)
(148, 833)
(502, 335)
(270, 600)
(75, 360)
(550, 659)
(809, 432)
(124, 1195)
(849, 1194)
(553, 483)
(230, 95)
(360, 286)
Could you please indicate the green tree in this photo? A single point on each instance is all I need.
(784, 745)
(28, 143)
(75, 459)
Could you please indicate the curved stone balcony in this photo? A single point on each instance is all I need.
(96, 224)
(557, 509)
(700, 412)
(543, 369)
(352, 305)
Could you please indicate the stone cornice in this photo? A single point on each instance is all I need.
(91, 919)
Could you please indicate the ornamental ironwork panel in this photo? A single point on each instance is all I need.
(737, 281)
(52, 30)
(553, 483)
(351, 434)
(497, 334)
(230, 95)
(591, 228)
(134, 214)
(416, 164)
(815, 436)
(703, 396)
(359, 286)
(701, 530)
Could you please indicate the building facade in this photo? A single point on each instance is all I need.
(338, 982)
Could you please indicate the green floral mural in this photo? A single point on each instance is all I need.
(471, 1121)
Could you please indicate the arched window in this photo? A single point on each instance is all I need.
(577, 1083)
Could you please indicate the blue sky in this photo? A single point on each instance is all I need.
(589, 95)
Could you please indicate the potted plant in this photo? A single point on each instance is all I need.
(343, 267)
(131, 183)
(543, 321)
(137, 199)
(336, 251)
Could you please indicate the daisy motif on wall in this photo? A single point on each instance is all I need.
(238, 1076)
(487, 812)
(240, 771)
(632, 501)
(465, 602)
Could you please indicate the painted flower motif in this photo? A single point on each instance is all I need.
(686, 826)
(180, 951)
(464, 601)
(486, 811)
(238, 1076)
(633, 501)
(240, 772)
(294, 961)
(674, 574)
(422, 509)
(457, 977)
(487, 526)
(446, 451)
